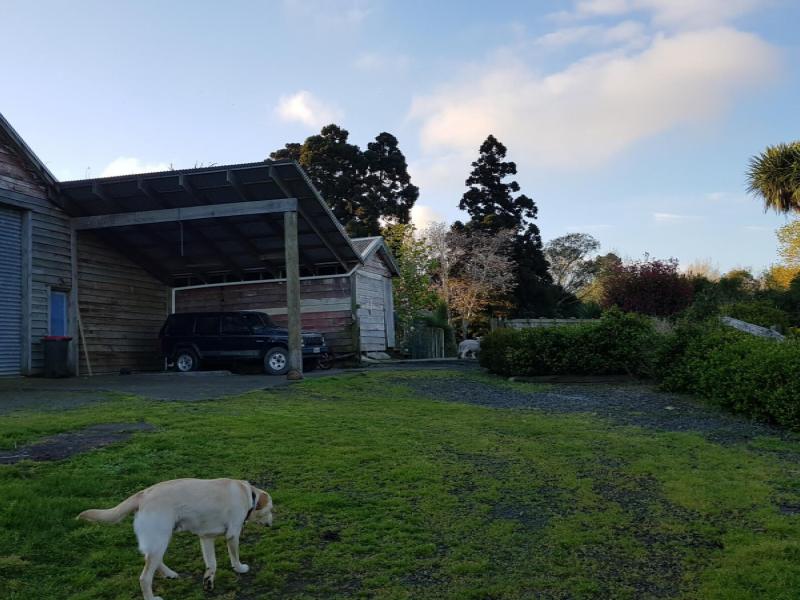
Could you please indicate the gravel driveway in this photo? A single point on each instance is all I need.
(623, 404)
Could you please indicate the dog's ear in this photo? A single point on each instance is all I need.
(263, 500)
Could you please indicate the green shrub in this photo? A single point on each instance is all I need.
(754, 376)
(618, 343)
(759, 312)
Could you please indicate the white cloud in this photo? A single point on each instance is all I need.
(304, 107)
(422, 216)
(627, 33)
(665, 217)
(330, 13)
(373, 61)
(128, 165)
(599, 106)
(681, 13)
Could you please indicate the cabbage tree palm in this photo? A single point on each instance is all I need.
(774, 175)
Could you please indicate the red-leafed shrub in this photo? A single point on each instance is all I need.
(649, 287)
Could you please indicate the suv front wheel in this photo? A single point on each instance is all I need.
(276, 361)
(186, 360)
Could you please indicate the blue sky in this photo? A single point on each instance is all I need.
(632, 120)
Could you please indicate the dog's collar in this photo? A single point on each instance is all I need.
(254, 498)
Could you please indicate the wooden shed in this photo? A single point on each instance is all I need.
(105, 260)
(354, 309)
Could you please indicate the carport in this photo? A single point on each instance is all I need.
(213, 225)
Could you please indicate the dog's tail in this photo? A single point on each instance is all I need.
(113, 515)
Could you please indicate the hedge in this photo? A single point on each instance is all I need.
(753, 376)
(619, 343)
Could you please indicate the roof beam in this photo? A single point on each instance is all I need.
(141, 257)
(188, 187)
(189, 213)
(275, 228)
(194, 231)
(136, 256)
(322, 238)
(273, 173)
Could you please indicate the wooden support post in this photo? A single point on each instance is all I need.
(293, 295)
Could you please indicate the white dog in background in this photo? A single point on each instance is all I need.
(469, 348)
(205, 507)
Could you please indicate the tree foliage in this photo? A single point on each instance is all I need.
(494, 205)
(388, 191)
(484, 272)
(774, 176)
(414, 290)
(363, 188)
(650, 287)
(568, 257)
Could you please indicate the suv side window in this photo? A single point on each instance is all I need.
(207, 325)
(253, 319)
(180, 325)
(235, 325)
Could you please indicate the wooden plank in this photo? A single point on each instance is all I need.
(166, 215)
(293, 295)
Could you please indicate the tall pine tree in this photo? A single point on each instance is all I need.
(492, 206)
(388, 191)
(362, 188)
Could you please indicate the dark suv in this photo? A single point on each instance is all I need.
(189, 339)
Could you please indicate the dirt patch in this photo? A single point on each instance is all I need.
(654, 566)
(64, 445)
(633, 404)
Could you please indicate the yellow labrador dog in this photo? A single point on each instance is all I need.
(205, 507)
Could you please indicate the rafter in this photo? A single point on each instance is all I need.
(194, 231)
(232, 229)
(274, 228)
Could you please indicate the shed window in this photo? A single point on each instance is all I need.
(58, 313)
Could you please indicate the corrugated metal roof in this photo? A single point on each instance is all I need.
(29, 154)
(362, 244)
(239, 244)
(367, 245)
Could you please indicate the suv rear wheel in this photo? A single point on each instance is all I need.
(186, 360)
(276, 361)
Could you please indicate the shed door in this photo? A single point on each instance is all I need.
(10, 291)
(388, 307)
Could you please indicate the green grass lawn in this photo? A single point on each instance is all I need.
(382, 494)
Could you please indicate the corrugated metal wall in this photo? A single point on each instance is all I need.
(10, 291)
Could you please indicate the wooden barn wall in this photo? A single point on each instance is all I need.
(122, 309)
(325, 305)
(21, 188)
(371, 300)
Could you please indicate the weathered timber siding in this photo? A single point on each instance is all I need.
(22, 189)
(371, 298)
(122, 309)
(325, 305)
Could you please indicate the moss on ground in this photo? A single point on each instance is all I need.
(382, 493)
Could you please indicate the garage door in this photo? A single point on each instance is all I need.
(10, 291)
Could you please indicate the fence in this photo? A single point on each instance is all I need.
(427, 342)
(533, 323)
